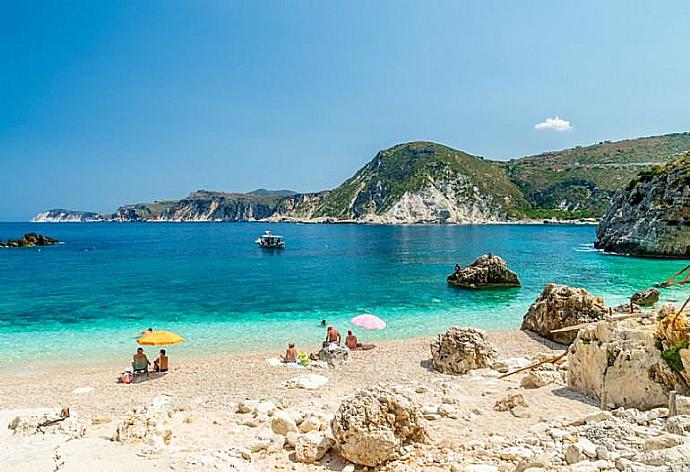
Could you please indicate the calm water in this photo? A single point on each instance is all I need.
(90, 297)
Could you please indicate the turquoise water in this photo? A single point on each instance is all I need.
(89, 298)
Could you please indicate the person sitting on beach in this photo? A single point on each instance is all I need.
(161, 363)
(290, 354)
(332, 335)
(351, 341)
(139, 357)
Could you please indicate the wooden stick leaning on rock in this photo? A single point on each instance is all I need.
(64, 414)
(532, 366)
(613, 318)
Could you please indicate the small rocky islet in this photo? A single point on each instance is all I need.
(30, 240)
(487, 271)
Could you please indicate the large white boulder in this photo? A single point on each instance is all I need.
(460, 350)
(560, 306)
(372, 426)
(623, 360)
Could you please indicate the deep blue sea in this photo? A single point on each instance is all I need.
(87, 299)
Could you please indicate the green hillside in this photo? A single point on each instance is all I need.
(579, 182)
(412, 167)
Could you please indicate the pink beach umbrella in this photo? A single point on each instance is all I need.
(368, 321)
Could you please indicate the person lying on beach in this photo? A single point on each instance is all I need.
(290, 354)
(332, 335)
(161, 363)
(140, 356)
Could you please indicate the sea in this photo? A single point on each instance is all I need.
(88, 299)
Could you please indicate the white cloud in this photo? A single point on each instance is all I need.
(555, 124)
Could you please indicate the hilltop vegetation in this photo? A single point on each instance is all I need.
(581, 181)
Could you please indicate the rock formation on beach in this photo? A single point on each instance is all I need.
(459, 350)
(30, 240)
(560, 306)
(635, 361)
(426, 182)
(372, 426)
(651, 215)
(486, 271)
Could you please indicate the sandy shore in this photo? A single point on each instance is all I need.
(206, 393)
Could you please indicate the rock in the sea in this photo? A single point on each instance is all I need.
(486, 271)
(334, 354)
(651, 215)
(645, 297)
(623, 359)
(31, 240)
(460, 350)
(561, 306)
(312, 446)
(372, 426)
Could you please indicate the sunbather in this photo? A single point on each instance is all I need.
(290, 354)
(161, 363)
(351, 341)
(140, 361)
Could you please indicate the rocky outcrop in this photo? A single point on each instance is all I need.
(334, 354)
(624, 360)
(561, 306)
(372, 426)
(651, 215)
(486, 271)
(31, 240)
(459, 350)
(150, 428)
(645, 297)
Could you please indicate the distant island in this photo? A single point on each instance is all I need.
(426, 182)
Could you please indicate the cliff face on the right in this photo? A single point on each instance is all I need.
(651, 215)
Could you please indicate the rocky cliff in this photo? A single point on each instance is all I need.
(66, 216)
(425, 182)
(651, 215)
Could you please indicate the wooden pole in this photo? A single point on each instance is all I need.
(672, 409)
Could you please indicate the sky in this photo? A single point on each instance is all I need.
(104, 103)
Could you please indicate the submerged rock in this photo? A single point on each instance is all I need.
(645, 297)
(651, 215)
(486, 271)
(561, 306)
(460, 350)
(372, 426)
(31, 240)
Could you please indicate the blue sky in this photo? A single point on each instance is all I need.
(104, 103)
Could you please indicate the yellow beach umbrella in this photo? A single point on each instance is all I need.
(160, 338)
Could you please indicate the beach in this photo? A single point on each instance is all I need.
(206, 393)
